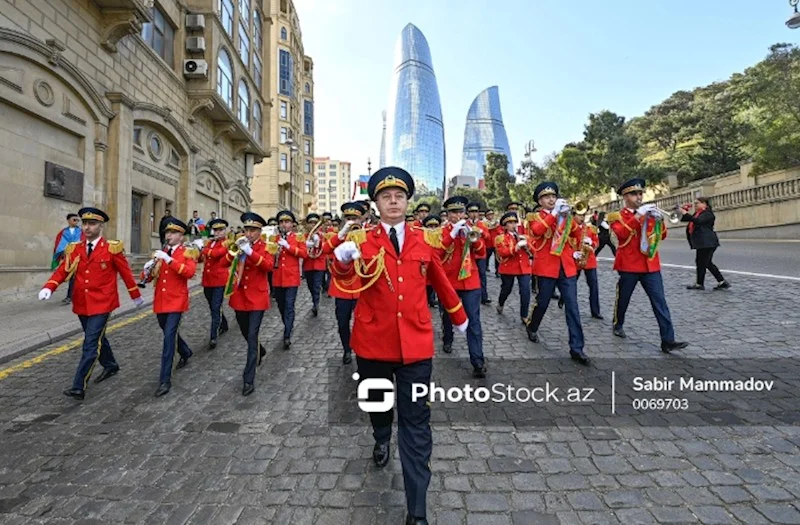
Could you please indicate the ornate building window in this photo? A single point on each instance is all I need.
(244, 104)
(286, 72)
(160, 36)
(225, 77)
(226, 16)
(284, 35)
(257, 122)
(244, 45)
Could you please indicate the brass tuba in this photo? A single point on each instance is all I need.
(580, 208)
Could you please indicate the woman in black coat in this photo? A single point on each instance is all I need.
(703, 239)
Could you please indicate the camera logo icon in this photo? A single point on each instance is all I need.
(375, 385)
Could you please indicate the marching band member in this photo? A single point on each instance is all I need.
(249, 292)
(421, 212)
(286, 275)
(354, 213)
(329, 227)
(515, 262)
(272, 221)
(637, 260)
(171, 270)
(393, 333)
(95, 263)
(215, 276)
(590, 241)
(315, 265)
(493, 233)
(460, 262)
(554, 265)
(473, 212)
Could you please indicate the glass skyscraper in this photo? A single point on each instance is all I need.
(415, 138)
(484, 133)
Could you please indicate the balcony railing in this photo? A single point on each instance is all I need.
(774, 192)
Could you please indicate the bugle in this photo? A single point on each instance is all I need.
(148, 270)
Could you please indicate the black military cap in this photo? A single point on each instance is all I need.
(217, 223)
(390, 177)
(253, 220)
(93, 214)
(176, 225)
(287, 215)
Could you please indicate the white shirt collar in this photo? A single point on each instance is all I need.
(399, 229)
(93, 243)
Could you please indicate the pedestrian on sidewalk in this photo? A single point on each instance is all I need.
(604, 235)
(72, 233)
(703, 239)
(216, 269)
(250, 292)
(96, 262)
(393, 332)
(171, 270)
(162, 226)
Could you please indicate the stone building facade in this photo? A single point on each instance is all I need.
(133, 106)
(285, 180)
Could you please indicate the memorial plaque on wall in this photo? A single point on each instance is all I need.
(63, 183)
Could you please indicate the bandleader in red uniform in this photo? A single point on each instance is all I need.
(393, 332)
(94, 263)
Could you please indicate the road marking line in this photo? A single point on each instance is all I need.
(4, 373)
(735, 272)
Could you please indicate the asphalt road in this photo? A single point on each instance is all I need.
(771, 257)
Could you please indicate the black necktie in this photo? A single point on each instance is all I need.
(169, 252)
(393, 238)
(89, 251)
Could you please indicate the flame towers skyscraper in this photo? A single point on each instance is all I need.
(415, 139)
(484, 133)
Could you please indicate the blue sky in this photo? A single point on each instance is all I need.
(555, 61)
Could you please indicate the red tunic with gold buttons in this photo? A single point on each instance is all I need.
(287, 274)
(392, 319)
(216, 264)
(316, 260)
(252, 292)
(587, 230)
(451, 259)
(627, 226)
(95, 289)
(171, 282)
(513, 261)
(541, 231)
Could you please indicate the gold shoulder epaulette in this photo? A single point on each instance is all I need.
(433, 237)
(531, 216)
(191, 253)
(500, 238)
(593, 228)
(613, 216)
(70, 247)
(115, 247)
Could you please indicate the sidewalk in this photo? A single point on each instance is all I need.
(31, 323)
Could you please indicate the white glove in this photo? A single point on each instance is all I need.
(587, 240)
(345, 229)
(655, 212)
(45, 294)
(138, 302)
(643, 209)
(463, 326)
(605, 225)
(576, 255)
(199, 243)
(148, 265)
(346, 252)
(560, 203)
(457, 227)
(521, 243)
(283, 242)
(554, 212)
(163, 256)
(247, 249)
(309, 243)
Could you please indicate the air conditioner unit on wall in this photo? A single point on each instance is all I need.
(195, 22)
(195, 44)
(195, 68)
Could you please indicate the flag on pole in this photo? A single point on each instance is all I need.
(363, 181)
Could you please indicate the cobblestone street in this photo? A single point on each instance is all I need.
(205, 454)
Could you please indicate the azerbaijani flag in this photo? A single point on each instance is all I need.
(363, 180)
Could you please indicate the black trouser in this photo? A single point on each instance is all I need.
(606, 242)
(703, 260)
(344, 312)
(249, 324)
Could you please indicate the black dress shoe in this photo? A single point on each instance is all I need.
(532, 336)
(448, 348)
(598, 316)
(555, 297)
(619, 332)
(560, 302)
(223, 329)
(261, 353)
(380, 454)
(695, 287)
(347, 358)
(411, 520)
(248, 389)
(487, 301)
(580, 357)
(106, 373)
(183, 361)
(286, 343)
(213, 344)
(669, 346)
(163, 388)
(74, 393)
(724, 285)
(314, 311)
(479, 372)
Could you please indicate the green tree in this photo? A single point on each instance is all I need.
(498, 181)
(431, 200)
(473, 194)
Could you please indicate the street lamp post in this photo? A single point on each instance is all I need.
(292, 151)
(525, 170)
(794, 20)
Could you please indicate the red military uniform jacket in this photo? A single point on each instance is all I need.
(318, 263)
(587, 230)
(252, 291)
(348, 283)
(392, 319)
(451, 259)
(287, 274)
(170, 281)
(512, 261)
(542, 228)
(216, 264)
(627, 226)
(95, 290)
(486, 237)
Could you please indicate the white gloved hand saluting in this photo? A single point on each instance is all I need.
(160, 254)
(45, 294)
(345, 229)
(283, 242)
(346, 252)
(463, 326)
(457, 227)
